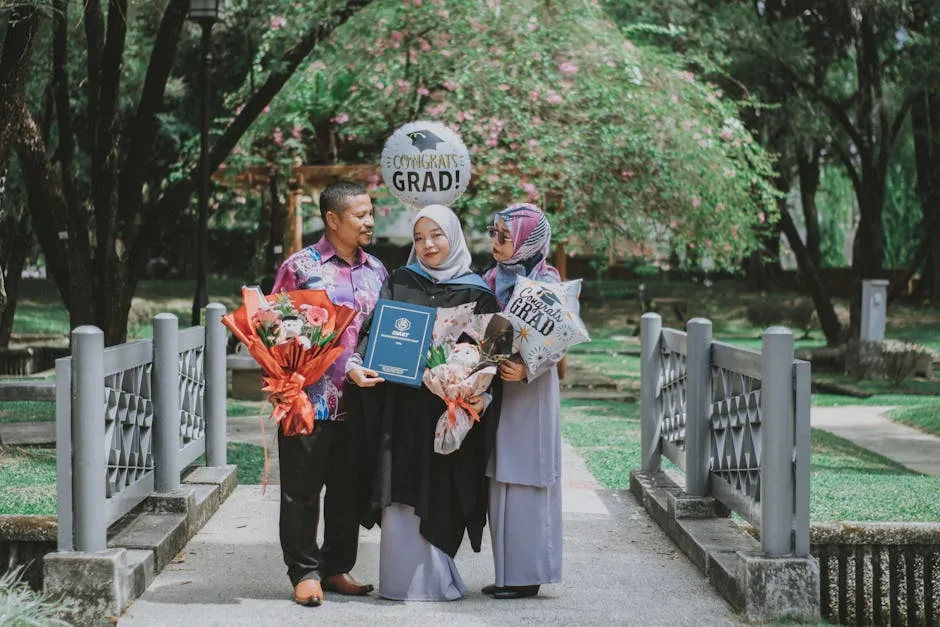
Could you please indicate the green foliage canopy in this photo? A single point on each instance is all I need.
(615, 139)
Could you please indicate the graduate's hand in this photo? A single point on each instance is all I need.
(476, 402)
(364, 377)
(512, 370)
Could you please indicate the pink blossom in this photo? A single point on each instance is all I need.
(761, 217)
(536, 121)
(626, 174)
(727, 247)
(342, 118)
(554, 98)
(278, 22)
(403, 85)
(491, 142)
(492, 178)
(317, 316)
(425, 45)
(628, 45)
(444, 13)
(423, 91)
(316, 66)
(267, 109)
(719, 207)
(241, 200)
(503, 87)
(532, 25)
(534, 95)
(568, 68)
(533, 143)
(674, 99)
(297, 131)
(696, 202)
(278, 137)
(450, 85)
(726, 134)
(687, 76)
(239, 110)
(436, 109)
(611, 64)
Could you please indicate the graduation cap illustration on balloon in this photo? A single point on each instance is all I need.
(549, 298)
(424, 140)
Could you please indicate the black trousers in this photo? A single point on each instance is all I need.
(307, 464)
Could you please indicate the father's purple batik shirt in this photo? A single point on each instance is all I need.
(318, 267)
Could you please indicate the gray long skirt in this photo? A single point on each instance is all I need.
(525, 526)
(410, 567)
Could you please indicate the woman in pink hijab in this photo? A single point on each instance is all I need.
(525, 466)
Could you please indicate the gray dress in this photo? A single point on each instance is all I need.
(525, 487)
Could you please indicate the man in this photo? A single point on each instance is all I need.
(350, 277)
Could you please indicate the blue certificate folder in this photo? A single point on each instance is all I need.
(399, 340)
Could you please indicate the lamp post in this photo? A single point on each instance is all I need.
(205, 13)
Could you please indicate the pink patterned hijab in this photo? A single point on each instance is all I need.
(531, 239)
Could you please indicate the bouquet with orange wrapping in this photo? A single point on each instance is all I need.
(294, 337)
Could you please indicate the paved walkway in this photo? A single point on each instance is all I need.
(619, 568)
(868, 427)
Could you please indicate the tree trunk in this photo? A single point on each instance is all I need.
(868, 248)
(274, 254)
(828, 320)
(762, 267)
(12, 259)
(925, 116)
(808, 169)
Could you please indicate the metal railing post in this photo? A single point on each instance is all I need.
(166, 403)
(89, 454)
(776, 408)
(698, 404)
(216, 384)
(651, 326)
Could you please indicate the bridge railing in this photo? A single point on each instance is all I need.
(736, 421)
(131, 417)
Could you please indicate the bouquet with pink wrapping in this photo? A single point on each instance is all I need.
(459, 370)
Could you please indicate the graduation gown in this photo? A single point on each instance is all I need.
(391, 430)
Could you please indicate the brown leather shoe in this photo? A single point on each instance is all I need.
(308, 592)
(343, 583)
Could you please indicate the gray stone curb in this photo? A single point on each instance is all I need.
(97, 587)
(761, 588)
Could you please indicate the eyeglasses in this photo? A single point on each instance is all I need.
(500, 236)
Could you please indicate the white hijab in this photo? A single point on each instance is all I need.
(458, 261)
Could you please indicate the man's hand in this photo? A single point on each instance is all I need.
(511, 370)
(364, 377)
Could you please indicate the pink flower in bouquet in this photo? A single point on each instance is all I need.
(317, 316)
(268, 317)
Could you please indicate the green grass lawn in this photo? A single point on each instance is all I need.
(925, 417)
(39, 307)
(847, 482)
(26, 411)
(28, 475)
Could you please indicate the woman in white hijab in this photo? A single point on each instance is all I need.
(425, 502)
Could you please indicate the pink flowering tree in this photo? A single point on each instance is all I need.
(556, 107)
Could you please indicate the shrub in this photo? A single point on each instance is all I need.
(802, 315)
(901, 360)
(764, 313)
(20, 605)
